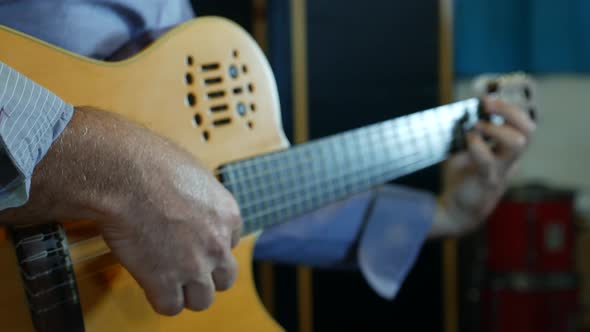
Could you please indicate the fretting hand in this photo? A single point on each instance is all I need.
(474, 180)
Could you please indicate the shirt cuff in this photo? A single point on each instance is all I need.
(396, 223)
(31, 118)
(393, 237)
(15, 194)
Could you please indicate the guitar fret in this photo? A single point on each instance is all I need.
(278, 186)
(302, 203)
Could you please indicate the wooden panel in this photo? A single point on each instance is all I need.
(449, 254)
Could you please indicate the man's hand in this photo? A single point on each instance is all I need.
(166, 218)
(474, 180)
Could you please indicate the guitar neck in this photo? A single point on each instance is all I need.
(274, 188)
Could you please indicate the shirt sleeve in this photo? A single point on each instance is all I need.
(31, 118)
(384, 231)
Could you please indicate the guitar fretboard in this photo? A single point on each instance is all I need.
(277, 187)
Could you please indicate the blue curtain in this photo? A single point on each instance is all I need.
(539, 36)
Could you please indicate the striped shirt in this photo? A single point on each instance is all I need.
(31, 117)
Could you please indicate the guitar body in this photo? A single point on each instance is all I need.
(204, 85)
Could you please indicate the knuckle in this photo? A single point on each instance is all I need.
(168, 306)
(236, 223)
(200, 300)
(202, 305)
(227, 279)
(217, 247)
(197, 266)
(225, 285)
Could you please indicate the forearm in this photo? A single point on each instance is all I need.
(143, 191)
(83, 173)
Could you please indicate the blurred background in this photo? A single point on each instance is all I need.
(344, 64)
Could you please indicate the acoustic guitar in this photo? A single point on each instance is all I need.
(207, 86)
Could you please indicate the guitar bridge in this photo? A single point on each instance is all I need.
(48, 277)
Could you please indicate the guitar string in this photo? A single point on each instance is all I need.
(313, 173)
(307, 185)
(300, 163)
(419, 140)
(301, 160)
(445, 113)
(313, 197)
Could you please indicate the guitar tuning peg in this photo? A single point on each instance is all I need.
(527, 93)
(492, 87)
(533, 114)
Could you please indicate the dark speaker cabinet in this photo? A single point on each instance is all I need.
(370, 61)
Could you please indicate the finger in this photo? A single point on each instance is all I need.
(512, 114)
(236, 234)
(234, 222)
(510, 141)
(166, 299)
(483, 158)
(225, 274)
(199, 293)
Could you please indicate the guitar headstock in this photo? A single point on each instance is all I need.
(516, 88)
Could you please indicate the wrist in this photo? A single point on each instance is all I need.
(87, 173)
(447, 222)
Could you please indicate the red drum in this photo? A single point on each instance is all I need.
(526, 303)
(532, 230)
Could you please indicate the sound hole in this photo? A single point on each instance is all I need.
(198, 119)
(219, 108)
(250, 125)
(253, 107)
(244, 69)
(238, 91)
(492, 87)
(188, 78)
(235, 53)
(527, 93)
(533, 113)
(191, 99)
(213, 80)
(206, 136)
(216, 94)
(221, 122)
(251, 87)
(210, 66)
(189, 60)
